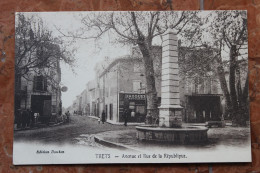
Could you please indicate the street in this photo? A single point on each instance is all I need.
(66, 133)
(81, 130)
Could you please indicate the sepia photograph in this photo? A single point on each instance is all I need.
(131, 87)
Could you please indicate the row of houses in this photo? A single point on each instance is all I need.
(120, 84)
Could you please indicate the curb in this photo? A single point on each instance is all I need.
(39, 127)
(93, 117)
(112, 144)
(59, 123)
(117, 123)
(122, 124)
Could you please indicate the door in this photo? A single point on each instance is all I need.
(106, 112)
(111, 111)
(41, 104)
(47, 108)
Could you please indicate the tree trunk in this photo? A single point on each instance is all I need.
(232, 84)
(232, 77)
(243, 109)
(245, 90)
(223, 84)
(151, 94)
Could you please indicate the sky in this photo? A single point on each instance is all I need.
(88, 53)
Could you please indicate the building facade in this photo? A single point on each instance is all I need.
(39, 91)
(121, 86)
(200, 91)
(91, 106)
(121, 78)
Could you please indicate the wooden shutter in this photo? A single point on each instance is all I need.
(34, 83)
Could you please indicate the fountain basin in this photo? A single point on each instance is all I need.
(184, 135)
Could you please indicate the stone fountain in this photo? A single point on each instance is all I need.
(170, 127)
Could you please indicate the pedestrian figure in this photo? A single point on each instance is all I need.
(103, 116)
(125, 116)
(28, 117)
(32, 119)
(24, 118)
(65, 117)
(99, 120)
(36, 116)
(138, 116)
(68, 116)
(19, 118)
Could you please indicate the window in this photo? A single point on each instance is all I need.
(40, 83)
(136, 85)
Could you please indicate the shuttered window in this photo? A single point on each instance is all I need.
(40, 83)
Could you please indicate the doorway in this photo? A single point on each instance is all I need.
(41, 104)
(204, 108)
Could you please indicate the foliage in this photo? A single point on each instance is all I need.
(225, 32)
(37, 49)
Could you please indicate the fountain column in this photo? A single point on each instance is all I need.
(170, 111)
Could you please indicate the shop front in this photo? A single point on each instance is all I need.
(135, 106)
(201, 108)
(42, 104)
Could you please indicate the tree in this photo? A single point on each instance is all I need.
(226, 31)
(230, 31)
(136, 28)
(36, 48)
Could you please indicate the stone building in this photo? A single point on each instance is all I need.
(91, 100)
(200, 91)
(121, 77)
(79, 106)
(84, 96)
(120, 85)
(39, 91)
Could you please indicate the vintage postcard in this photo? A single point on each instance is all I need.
(131, 87)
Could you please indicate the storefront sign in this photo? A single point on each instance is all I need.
(135, 96)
